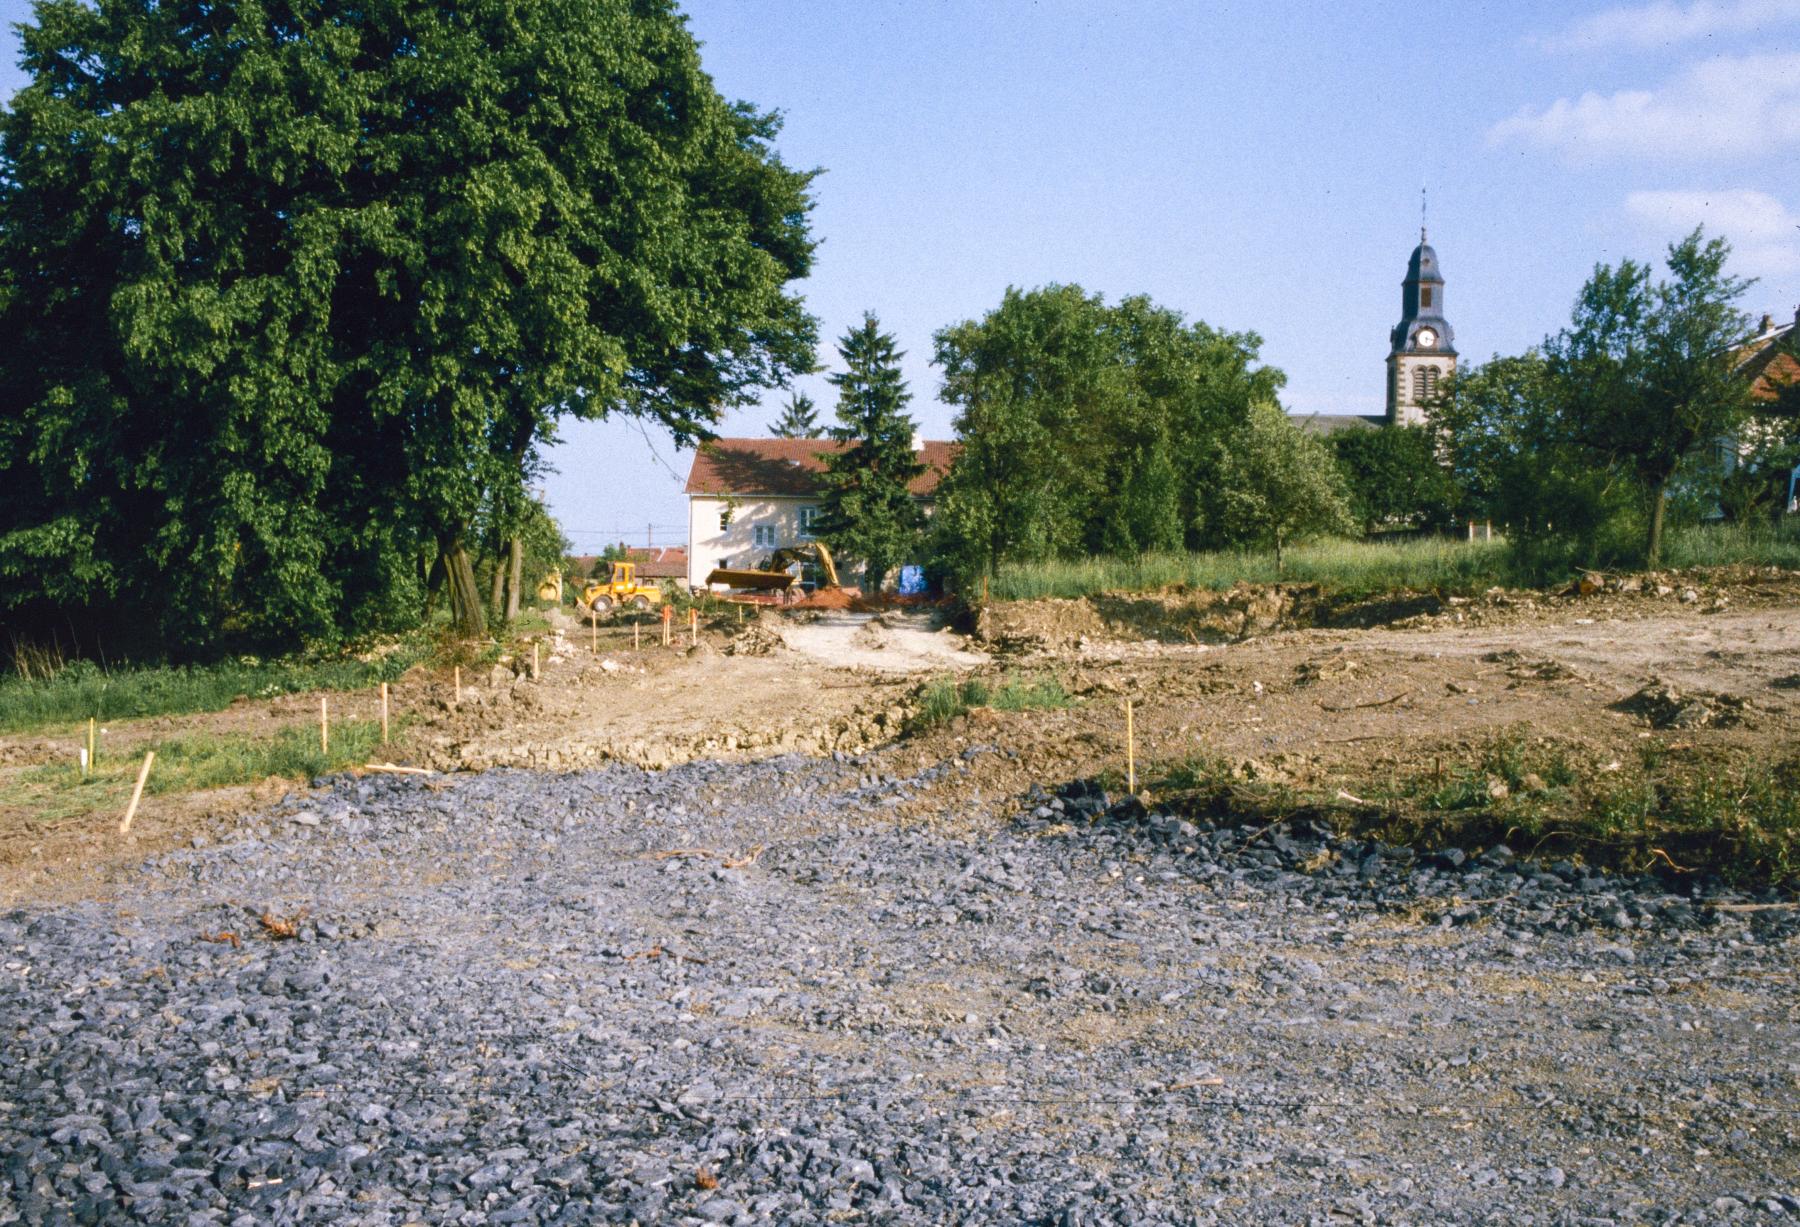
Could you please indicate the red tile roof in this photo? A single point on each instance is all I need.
(790, 466)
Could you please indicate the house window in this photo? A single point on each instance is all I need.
(725, 519)
(1424, 296)
(763, 536)
(808, 517)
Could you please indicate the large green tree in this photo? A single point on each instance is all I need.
(292, 293)
(1275, 484)
(1395, 477)
(1085, 426)
(1647, 371)
(868, 513)
(1512, 459)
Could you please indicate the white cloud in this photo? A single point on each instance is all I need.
(1663, 23)
(1719, 108)
(1764, 232)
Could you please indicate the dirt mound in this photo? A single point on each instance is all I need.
(1665, 707)
(755, 641)
(1522, 668)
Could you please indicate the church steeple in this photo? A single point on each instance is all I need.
(1422, 346)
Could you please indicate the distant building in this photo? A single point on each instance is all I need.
(1421, 353)
(748, 498)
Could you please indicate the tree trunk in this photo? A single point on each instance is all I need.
(497, 590)
(515, 573)
(1278, 553)
(1659, 499)
(466, 615)
(434, 583)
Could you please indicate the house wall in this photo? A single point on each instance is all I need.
(735, 545)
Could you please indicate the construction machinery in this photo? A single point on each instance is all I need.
(620, 590)
(774, 576)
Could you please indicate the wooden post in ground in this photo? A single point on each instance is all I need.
(534, 660)
(637, 635)
(324, 726)
(693, 627)
(594, 635)
(87, 768)
(1130, 752)
(384, 714)
(668, 617)
(456, 684)
(137, 793)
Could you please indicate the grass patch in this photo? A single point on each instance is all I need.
(945, 698)
(1359, 568)
(82, 690)
(1349, 566)
(1668, 810)
(194, 763)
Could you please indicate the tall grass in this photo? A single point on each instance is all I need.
(83, 689)
(1353, 566)
(1363, 567)
(1723, 545)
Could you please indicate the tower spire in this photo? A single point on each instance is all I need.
(1421, 214)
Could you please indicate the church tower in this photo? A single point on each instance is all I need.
(1422, 352)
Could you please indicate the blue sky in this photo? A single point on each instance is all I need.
(1256, 165)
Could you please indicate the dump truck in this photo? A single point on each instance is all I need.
(774, 577)
(620, 590)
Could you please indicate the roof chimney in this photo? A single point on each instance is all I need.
(1768, 325)
(918, 440)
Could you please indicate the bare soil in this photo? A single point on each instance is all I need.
(1287, 685)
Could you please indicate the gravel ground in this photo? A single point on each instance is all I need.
(504, 1001)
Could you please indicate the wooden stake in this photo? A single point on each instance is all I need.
(137, 793)
(593, 634)
(693, 627)
(456, 684)
(88, 766)
(384, 709)
(324, 727)
(1130, 752)
(637, 635)
(534, 660)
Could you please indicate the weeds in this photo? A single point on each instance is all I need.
(194, 763)
(82, 689)
(945, 698)
(1368, 567)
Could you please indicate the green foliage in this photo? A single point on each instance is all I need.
(292, 294)
(945, 698)
(799, 419)
(1513, 462)
(1275, 484)
(83, 690)
(867, 513)
(1646, 372)
(1085, 427)
(1394, 478)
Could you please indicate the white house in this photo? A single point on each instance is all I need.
(748, 498)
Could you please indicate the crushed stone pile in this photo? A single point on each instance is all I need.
(739, 993)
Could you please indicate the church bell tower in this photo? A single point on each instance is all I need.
(1422, 353)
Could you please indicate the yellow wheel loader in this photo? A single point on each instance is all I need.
(620, 590)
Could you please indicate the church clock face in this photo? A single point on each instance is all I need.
(1427, 337)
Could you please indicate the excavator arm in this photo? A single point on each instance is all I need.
(812, 551)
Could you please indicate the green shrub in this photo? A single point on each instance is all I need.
(943, 699)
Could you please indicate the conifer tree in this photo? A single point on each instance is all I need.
(799, 419)
(869, 514)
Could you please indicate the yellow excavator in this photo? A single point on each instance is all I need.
(620, 590)
(773, 575)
